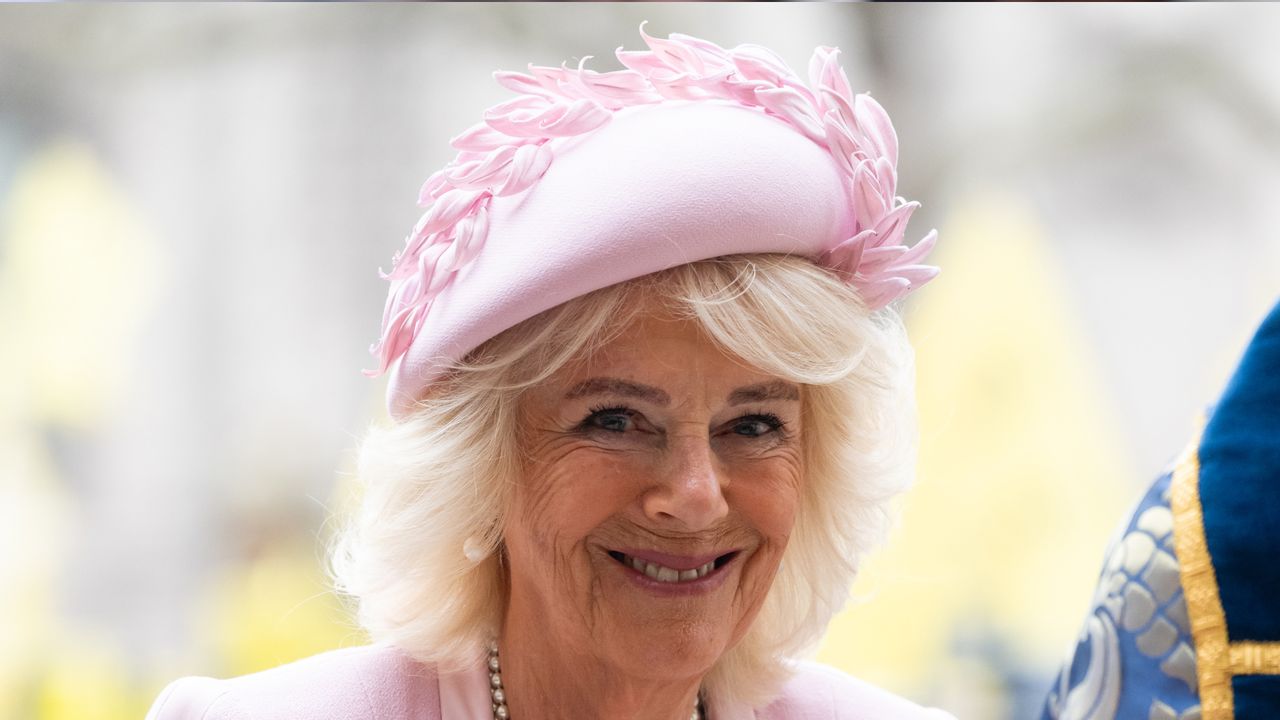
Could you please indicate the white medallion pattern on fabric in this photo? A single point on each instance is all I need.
(1135, 657)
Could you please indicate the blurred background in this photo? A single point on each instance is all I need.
(194, 202)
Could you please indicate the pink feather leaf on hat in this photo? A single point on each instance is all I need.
(675, 54)
(760, 63)
(789, 104)
(878, 292)
(868, 201)
(448, 209)
(842, 111)
(525, 169)
(614, 90)
(483, 138)
(840, 142)
(477, 174)
(878, 259)
(887, 179)
(921, 249)
(414, 246)
(846, 257)
(470, 235)
(435, 186)
(648, 66)
(874, 121)
(705, 47)
(744, 91)
(520, 83)
(917, 275)
(434, 267)
(509, 151)
(892, 226)
(827, 77)
(533, 118)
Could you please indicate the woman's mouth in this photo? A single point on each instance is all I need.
(685, 570)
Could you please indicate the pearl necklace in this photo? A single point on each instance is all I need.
(500, 711)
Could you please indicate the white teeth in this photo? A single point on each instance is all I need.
(662, 573)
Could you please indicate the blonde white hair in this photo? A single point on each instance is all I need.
(420, 556)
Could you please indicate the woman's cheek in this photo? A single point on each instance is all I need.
(768, 491)
(571, 497)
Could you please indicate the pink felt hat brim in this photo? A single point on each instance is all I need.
(657, 186)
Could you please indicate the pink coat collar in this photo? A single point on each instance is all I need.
(464, 695)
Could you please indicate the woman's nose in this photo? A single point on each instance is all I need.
(689, 490)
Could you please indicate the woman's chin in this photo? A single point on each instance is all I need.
(669, 628)
(670, 653)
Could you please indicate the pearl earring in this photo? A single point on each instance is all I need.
(474, 550)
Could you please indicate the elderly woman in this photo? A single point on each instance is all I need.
(648, 409)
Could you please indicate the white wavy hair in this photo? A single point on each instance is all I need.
(420, 556)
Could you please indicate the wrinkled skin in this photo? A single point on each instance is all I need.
(689, 474)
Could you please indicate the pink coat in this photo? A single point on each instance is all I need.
(378, 682)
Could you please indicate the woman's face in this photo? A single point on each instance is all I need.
(660, 486)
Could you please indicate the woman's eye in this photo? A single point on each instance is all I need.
(624, 419)
(616, 419)
(757, 425)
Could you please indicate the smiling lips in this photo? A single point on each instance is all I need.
(671, 568)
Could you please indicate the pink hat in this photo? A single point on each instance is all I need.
(589, 179)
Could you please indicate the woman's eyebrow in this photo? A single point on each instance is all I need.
(618, 386)
(773, 390)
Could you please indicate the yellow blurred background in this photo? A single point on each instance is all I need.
(194, 202)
